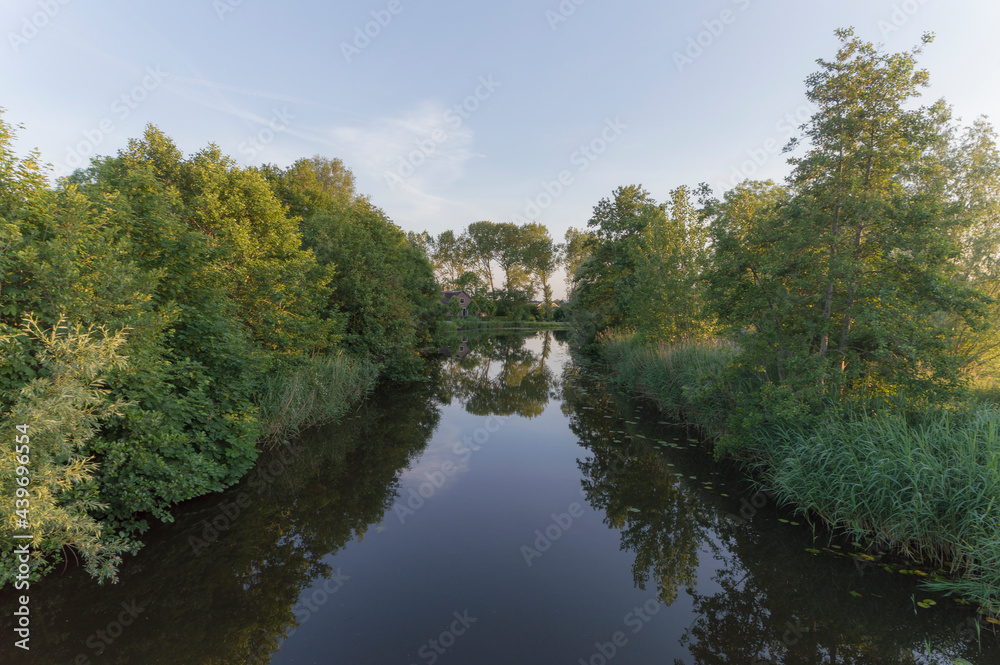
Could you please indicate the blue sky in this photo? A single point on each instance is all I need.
(453, 112)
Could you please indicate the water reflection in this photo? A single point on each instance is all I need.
(498, 375)
(761, 599)
(234, 576)
(221, 584)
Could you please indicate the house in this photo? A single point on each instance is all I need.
(541, 303)
(463, 350)
(464, 299)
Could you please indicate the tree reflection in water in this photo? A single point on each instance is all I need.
(761, 598)
(499, 376)
(777, 603)
(232, 601)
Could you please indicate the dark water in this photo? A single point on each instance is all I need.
(512, 510)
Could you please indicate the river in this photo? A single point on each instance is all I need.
(513, 509)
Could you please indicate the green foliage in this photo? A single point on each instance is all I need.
(313, 392)
(454, 307)
(236, 314)
(846, 280)
(384, 287)
(576, 249)
(858, 294)
(62, 412)
(925, 486)
(641, 266)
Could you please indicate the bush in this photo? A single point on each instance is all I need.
(62, 411)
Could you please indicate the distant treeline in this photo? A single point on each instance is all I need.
(525, 255)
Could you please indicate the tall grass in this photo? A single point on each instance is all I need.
(922, 481)
(319, 391)
(927, 489)
(686, 380)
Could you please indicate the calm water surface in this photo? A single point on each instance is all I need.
(514, 509)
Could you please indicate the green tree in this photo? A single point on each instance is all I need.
(510, 256)
(604, 284)
(666, 303)
(450, 258)
(541, 258)
(47, 431)
(852, 279)
(576, 249)
(484, 245)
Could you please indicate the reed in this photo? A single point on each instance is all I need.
(688, 379)
(319, 390)
(920, 479)
(928, 488)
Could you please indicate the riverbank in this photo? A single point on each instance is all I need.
(318, 391)
(498, 324)
(921, 485)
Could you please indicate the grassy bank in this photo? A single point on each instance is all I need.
(473, 323)
(922, 485)
(318, 391)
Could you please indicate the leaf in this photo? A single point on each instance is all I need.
(856, 594)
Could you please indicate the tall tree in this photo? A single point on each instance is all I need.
(511, 242)
(855, 272)
(665, 303)
(541, 258)
(450, 257)
(576, 249)
(972, 179)
(604, 283)
(484, 246)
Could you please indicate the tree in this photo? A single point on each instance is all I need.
(665, 304)
(604, 283)
(312, 184)
(484, 245)
(450, 258)
(511, 243)
(541, 258)
(851, 280)
(972, 178)
(576, 249)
